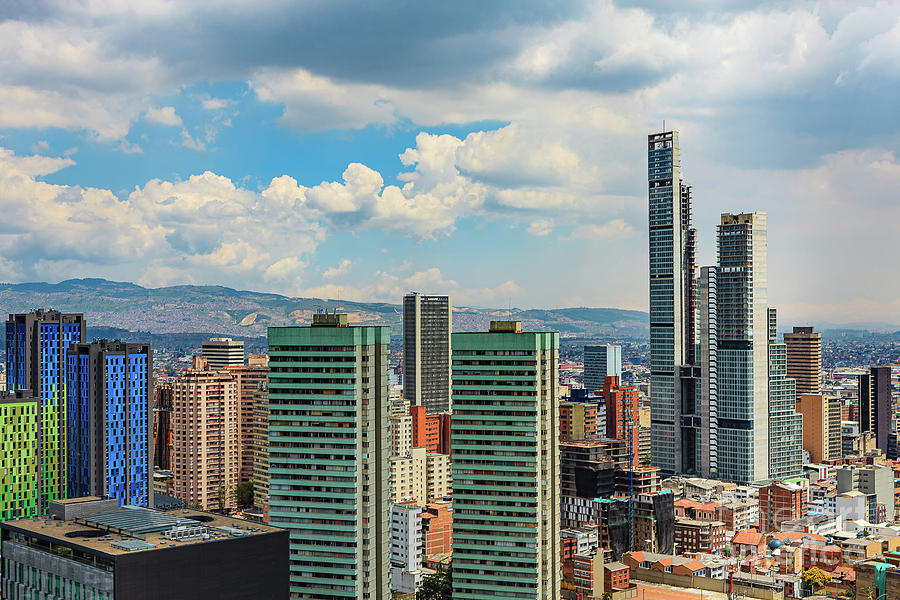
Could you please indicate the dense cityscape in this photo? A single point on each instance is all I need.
(728, 457)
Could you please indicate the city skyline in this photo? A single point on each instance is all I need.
(293, 171)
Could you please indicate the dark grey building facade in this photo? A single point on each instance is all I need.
(875, 405)
(427, 323)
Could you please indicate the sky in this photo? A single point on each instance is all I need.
(495, 151)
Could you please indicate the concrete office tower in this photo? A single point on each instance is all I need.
(804, 360)
(223, 352)
(36, 345)
(601, 362)
(206, 455)
(875, 405)
(506, 474)
(250, 378)
(785, 423)
(110, 386)
(19, 474)
(876, 482)
(427, 323)
(708, 330)
(742, 325)
(676, 434)
(821, 426)
(328, 456)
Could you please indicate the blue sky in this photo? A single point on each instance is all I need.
(494, 151)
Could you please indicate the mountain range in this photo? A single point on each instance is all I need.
(111, 306)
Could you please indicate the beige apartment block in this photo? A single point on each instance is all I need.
(250, 379)
(401, 428)
(206, 429)
(420, 477)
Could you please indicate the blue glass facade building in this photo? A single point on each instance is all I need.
(109, 426)
(35, 360)
(675, 416)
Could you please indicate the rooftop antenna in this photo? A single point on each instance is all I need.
(664, 125)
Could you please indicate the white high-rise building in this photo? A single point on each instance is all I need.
(223, 352)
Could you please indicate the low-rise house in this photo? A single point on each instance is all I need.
(821, 524)
(748, 542)
(693, 535)
(857, 549)
(827, 558)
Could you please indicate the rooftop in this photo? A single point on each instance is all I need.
(137, 529)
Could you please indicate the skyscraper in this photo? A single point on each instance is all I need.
(785, 423)
(427, 323)
(19, 474)
(875, 405)
(708, 333)
(109, 387)
(328, 456)
(804, 360)
(205, 436)
(742, 332)
(223, 352)
(36, 346)
(599, 363)
(506, 476)
(675, 415)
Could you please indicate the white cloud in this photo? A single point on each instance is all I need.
(164, 115)
(338, 271)
(613, 230)
(541, 227)
(388, 287)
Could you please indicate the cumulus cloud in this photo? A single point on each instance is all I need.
(338, 271)
(164, 115)
(387, 287)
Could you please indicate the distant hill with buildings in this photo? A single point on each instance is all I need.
(111, 306)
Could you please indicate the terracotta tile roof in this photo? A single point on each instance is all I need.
(750, 537)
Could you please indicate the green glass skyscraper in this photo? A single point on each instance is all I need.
(506, 477)
(19, 473)
(329, 456)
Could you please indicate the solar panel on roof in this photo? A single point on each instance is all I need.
(138, 521)
(132, 545)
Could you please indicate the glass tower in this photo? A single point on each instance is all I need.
(36, 345)
(676, 432)
(785, 423)
(742, 370)
(109, 427)
(19, 478)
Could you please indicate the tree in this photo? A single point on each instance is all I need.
(245, 494)
(437, 587)
(815, 577)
